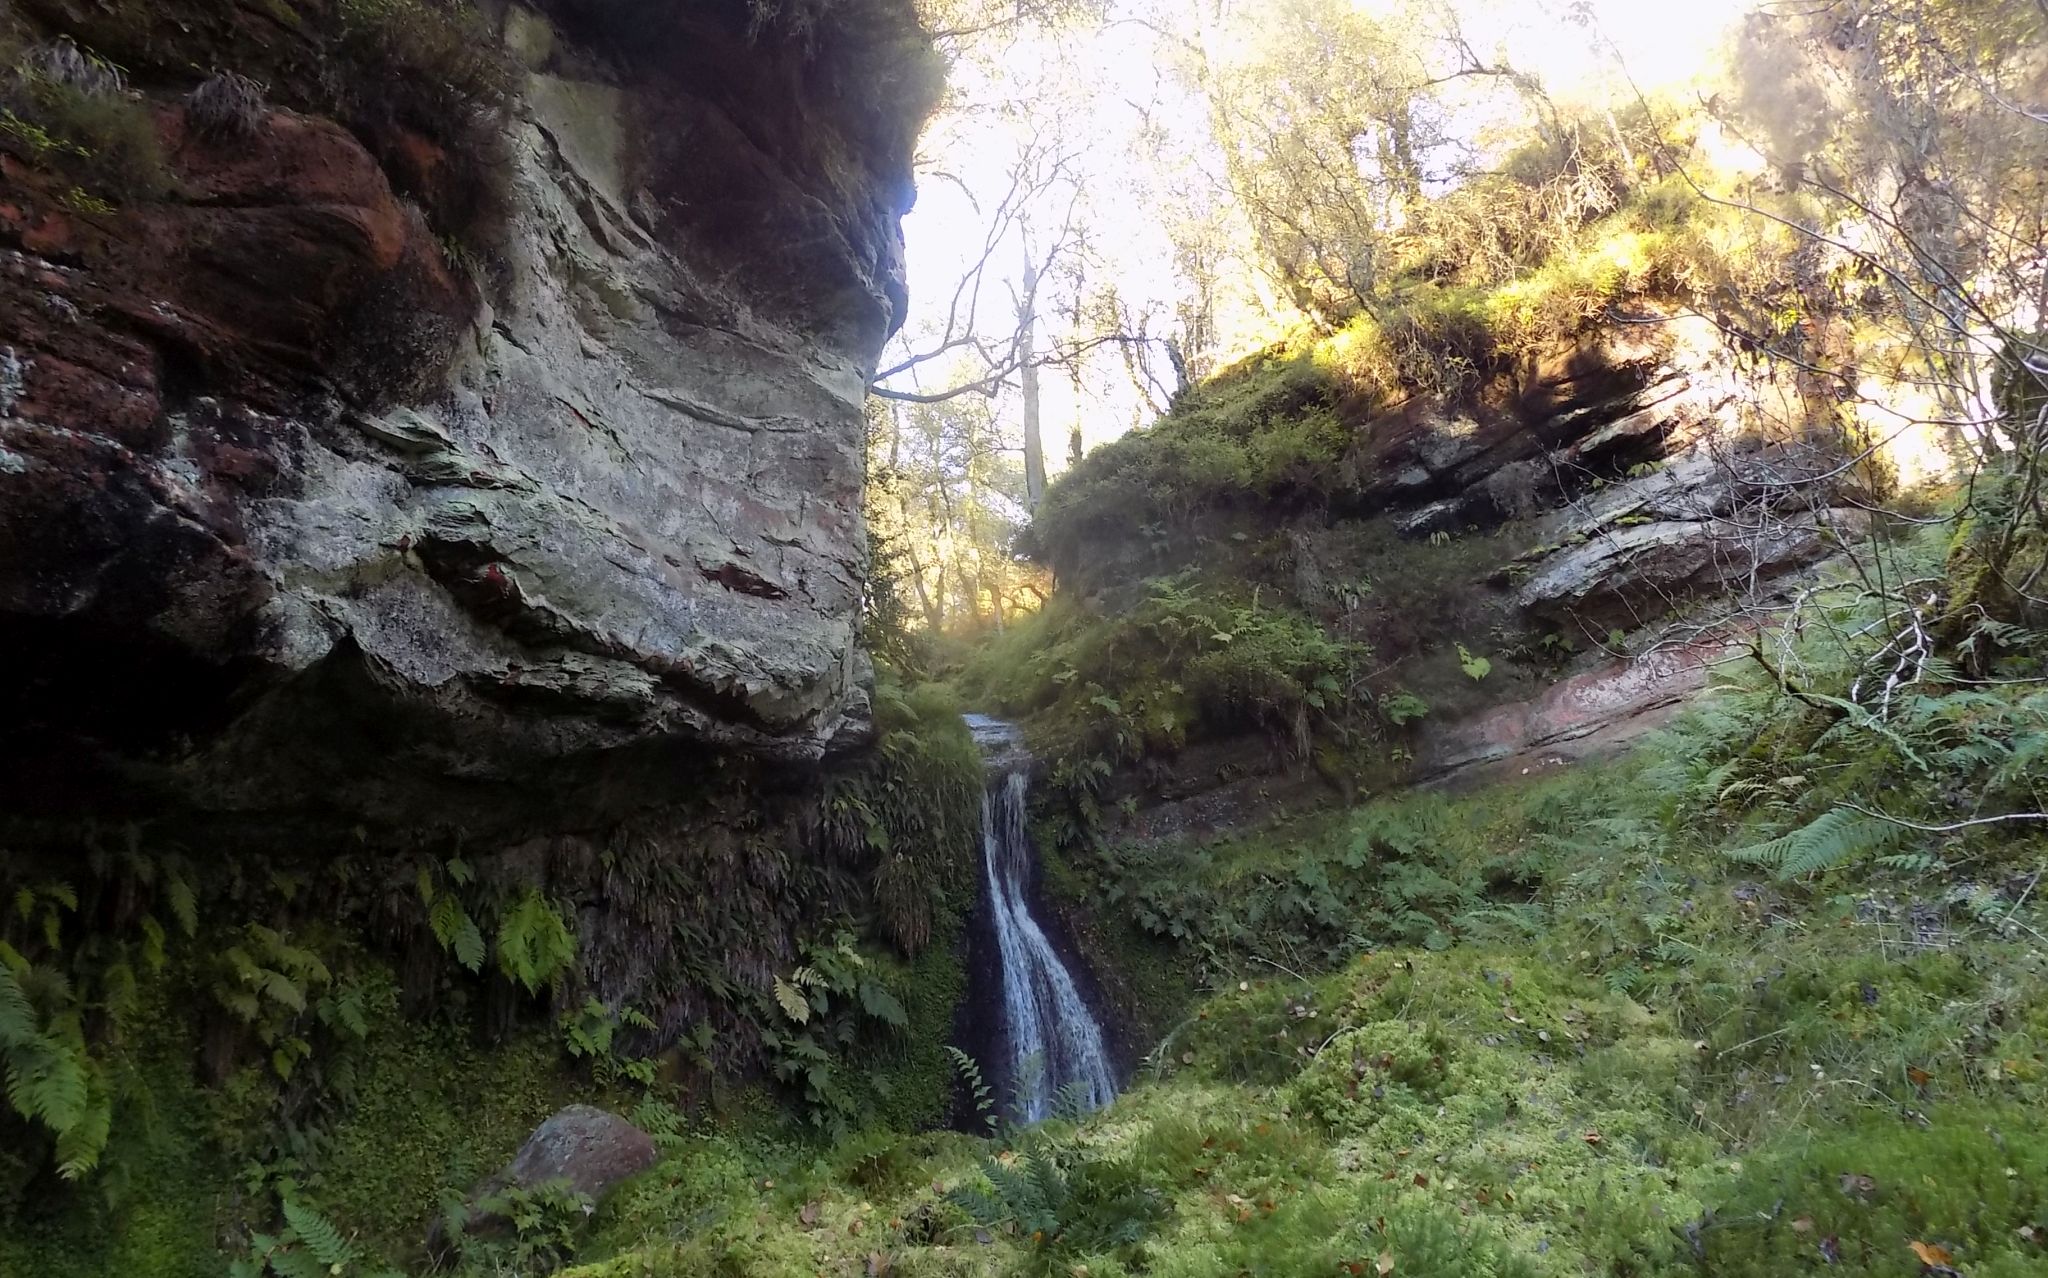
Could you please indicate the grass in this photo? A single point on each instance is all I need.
(67, 110)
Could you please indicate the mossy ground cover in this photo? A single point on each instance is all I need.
(1665, 1016)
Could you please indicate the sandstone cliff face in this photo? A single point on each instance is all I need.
(303, 506)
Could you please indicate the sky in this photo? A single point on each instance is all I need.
(1099, 90)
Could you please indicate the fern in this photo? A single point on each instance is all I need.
(80, 1145)
(318, 1234)
(1065, 1202)
(50, 1078)
(977, 1088)
(534, 945)
(792, 1001)
(1820, 844)
(455, 930)
(184, 904)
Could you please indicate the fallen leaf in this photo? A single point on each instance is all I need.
(1385, 1263)
(2030, 1234)
(1930, 1254)
(854, 1229)
(878, 1264)
(808, 1214)
(1592, 1138)
(1918, 1075)
(1803, 1225)
(1508, 1010)
(1421, 1181)
(1857, 1185)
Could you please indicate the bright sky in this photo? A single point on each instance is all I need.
(1109, 86)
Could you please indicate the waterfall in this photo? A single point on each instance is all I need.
(1051, 1041)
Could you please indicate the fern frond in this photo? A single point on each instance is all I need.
(1822, 843)
(792, 1001)
(80, 1145)
(318, 1234)
(291, 1262)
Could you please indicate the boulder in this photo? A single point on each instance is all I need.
(582, 1148)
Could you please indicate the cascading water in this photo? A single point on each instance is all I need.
(1052, 1044)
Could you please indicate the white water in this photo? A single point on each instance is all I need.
(1053, 1041)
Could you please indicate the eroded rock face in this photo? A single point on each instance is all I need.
(1624, 577)
(294, 512)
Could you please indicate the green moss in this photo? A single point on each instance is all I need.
(162, 1205)
(1261, 432)
(1971, 1180)
(432, 1111)
(913, 1075)
(1187, 659)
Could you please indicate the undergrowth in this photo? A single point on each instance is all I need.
(1720, 1008)
(291, 1044)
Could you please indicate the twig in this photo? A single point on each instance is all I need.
(1958, 825)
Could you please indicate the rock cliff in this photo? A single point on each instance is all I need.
(386, 454)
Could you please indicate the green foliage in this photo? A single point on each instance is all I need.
(908, 815)
(1425, 870)
(309, 1246)
(1264, 432)
(68, 108)
(1822, 843)
(591, 1033)
(1186, 658)
(544, 1224)
(829, 1006)
(1062, 1202)
(535, 946)
(270, 984)
(979, 1094)
(51, 1078)
(1475, 667)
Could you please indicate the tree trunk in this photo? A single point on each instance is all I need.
(1027, 335)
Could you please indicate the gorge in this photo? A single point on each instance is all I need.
(558, 714)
